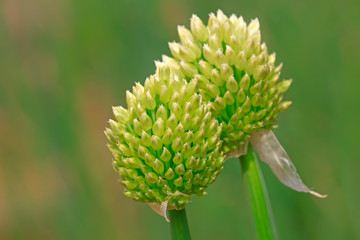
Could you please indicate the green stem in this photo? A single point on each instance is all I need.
(178, 225)
(259, 199)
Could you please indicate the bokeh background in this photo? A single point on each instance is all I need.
(64, 63)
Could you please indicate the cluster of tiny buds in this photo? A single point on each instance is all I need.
(234, 71)
(202, 104)
(166, 141)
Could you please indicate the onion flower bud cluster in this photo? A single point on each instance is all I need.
(166, 144)
(236, 74)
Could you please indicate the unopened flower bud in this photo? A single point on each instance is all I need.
(189, 69)
(245, 82)
(284, 85)
(198, 29)
(168, 137)
(226, 71)
(229, 99)
(205, 68)
(256, 88)
(159, 127)
(158, 166)
(156, 142)
(209, 54)
(121, 114)
(284, 106)
(190, 162)
(169, 174)
(188, 175)
(256, 100)
(130, 99)
(172, 121)
(145, 121)
(178, 182)
(150, 101)
(186, 150)
(164, 94)
(185, 35)
(219, 103)
(178, 158)
(232, 85)
(180, 169)
(215, 42)
(151, 178)
(213, 90)
(166, 155)
(161, 113)
(215, 77)
(177, 144)
(145, 138)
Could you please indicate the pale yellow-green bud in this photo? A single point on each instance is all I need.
(156, 142)
(161, 113)
(284, 85)
(185, 36)
(229, 99)
(205, 68)
(198, 29)
(209, 54)
(149, 101)
(180, 169)
(219, 103)
(166, 155)
(169, 174)
(145, 121)
(145, 138)
(168, 136)
(158, 166)
(130, 99)
(189, 69)
(159, 127)
(245, 82)
(121, 114)
(215, 42)
(215, 77)
(232, 85)
(163, 71)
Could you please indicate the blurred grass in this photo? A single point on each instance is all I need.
(63, 64)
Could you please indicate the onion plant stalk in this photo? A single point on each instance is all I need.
(179, 228)
(258, 196)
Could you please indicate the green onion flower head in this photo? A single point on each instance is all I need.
(166, 144)
(235, 72)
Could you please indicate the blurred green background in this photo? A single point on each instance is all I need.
(64, 63)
